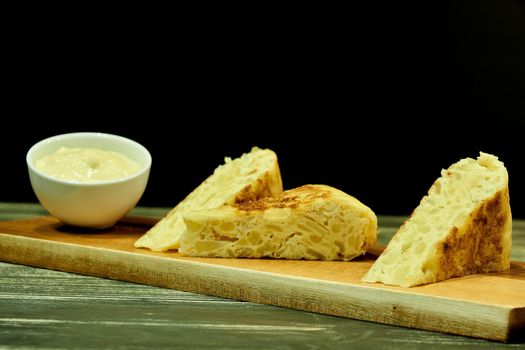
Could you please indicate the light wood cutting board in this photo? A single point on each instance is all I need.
(489, 306)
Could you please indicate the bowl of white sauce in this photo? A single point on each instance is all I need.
(88, 179)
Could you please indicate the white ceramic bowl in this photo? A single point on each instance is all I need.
(97, 204)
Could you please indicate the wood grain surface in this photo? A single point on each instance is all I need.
(490, 306)
(46, 309)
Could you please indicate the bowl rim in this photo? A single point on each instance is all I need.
(144, 168)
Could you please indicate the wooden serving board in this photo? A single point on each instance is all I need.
(489, 306)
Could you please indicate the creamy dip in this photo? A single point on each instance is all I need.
(86, 164)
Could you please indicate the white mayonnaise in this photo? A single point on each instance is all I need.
(86, 164)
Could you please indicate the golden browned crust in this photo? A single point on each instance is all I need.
(288, 199)
(268, 186)
(483, 246)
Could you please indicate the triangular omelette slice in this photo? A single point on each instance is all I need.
(309, 222)
(252, 176)
(463, 226)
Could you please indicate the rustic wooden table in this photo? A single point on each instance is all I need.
(44, 309)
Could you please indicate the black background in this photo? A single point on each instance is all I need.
(374, 100)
